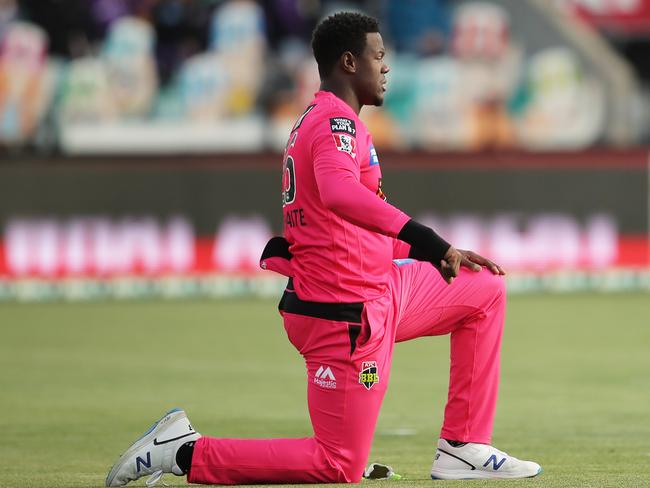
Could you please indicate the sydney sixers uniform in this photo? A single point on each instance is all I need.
(349, 299)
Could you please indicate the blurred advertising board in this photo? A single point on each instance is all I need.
(622, 16)
(189, 226)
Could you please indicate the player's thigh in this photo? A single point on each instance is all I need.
(346, 383)
(429, 306)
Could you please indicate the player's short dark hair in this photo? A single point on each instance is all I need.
(338, 33)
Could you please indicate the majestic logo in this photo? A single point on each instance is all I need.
(139, 461)
(493, 459)
(368, 375)
(325, 378)
(341, 124)
(345, 143)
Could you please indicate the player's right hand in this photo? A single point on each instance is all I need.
(450, 264)
(454, 259)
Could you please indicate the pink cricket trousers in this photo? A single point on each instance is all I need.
(348, 355)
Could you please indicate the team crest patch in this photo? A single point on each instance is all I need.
(341, 124)
(346, 143)
(369, 375)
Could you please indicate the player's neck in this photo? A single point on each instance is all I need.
(342, 91)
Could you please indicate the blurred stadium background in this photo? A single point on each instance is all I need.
(140, 140)
(140, 156)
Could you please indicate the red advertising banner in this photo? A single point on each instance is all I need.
(629, 16)
(80, 229)
(101, 248)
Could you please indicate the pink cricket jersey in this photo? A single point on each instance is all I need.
(340, 229)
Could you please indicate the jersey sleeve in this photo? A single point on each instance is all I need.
(337, 175)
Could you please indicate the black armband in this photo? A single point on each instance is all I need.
(426, 245)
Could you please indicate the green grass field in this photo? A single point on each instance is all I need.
(78, 382)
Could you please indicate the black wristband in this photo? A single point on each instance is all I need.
(426, 245)
(418, 255)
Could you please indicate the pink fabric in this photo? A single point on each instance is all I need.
(400, 249)
(337, 222)
(282, 265)
(278, 264)
(343, 411)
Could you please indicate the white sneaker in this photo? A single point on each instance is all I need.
(155, 452)
(473, 461)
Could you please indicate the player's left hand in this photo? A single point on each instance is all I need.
(476, 262)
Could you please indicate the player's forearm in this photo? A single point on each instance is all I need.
(426, 245)
(343, 195)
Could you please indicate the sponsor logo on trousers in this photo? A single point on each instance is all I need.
(325, 378)
(369, 375)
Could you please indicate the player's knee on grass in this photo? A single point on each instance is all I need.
(353, 465)
(354, 472)
(347, 465)
(344, 473)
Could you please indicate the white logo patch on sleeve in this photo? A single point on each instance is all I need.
(346, 144)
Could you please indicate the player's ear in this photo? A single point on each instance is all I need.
(348, 62)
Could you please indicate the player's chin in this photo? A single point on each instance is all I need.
(379, 100)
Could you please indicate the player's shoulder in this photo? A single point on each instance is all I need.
(329, 114)
(340, 112)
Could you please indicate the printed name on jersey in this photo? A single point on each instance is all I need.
(346, 144)
(341, 124)
(295, 218)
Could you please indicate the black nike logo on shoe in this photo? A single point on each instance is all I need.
(459, 458)
(156, 443)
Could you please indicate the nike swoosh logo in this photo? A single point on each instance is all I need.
(156, 443)
(459, 458)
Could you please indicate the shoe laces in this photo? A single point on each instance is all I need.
(504, 454)
(155, 477)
